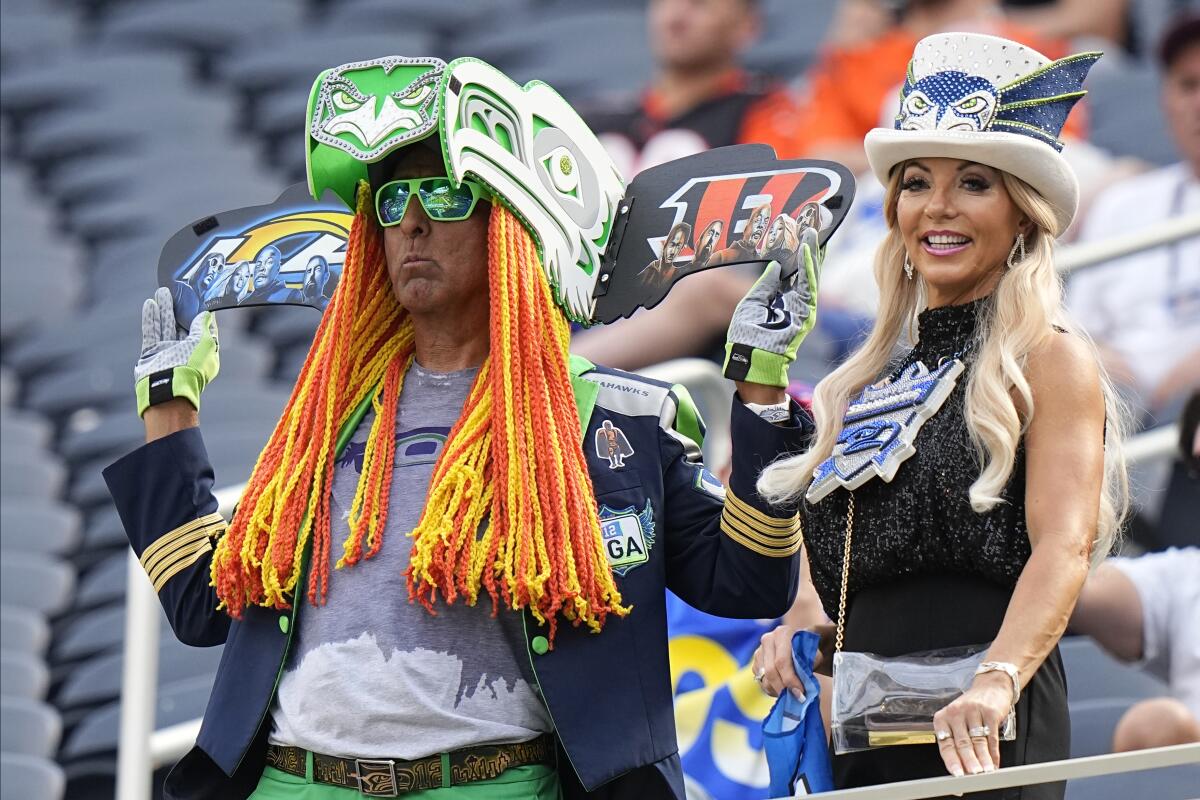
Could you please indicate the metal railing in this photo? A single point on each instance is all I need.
(1169, 231)
(1027, 774)
(143, 749)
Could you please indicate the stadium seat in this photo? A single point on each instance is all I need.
(24, 478)
(23, 631)
(120, 432)
(29, 727)
(9, 387)
(98, 680)
(36, 582)
(1093, 723)
(37, 527)
(541, 46)
(446, 19)
(20, 428)
(77, 74)
(110, 387)
(288, 327)
(30, 778)
(1092, 674)
(104, 530)
(23, 675)
(1169, 783)
(298, 58)
(63, 342)
(231, 452)
(104, 582)
(164, 167)
(205, 30)
(178, 702)
(29, 33)
(1124, 116)
(91, 634)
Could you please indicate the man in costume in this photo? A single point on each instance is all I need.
(707, 243)
(662, 271)
(748, 246)
(429, 587)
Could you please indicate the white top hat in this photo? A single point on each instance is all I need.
(989, 100)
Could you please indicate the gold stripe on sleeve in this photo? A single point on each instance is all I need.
(758, 518)
(743, 532)
(184, 559)
(166, 546)
(783, 551)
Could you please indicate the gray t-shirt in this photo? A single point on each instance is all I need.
(371, 675)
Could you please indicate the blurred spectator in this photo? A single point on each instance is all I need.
(1103, 19)
(852, 88)
(859, 21)
(1145, 610)
(699, 97)
(1167, 518)
(1144, 310)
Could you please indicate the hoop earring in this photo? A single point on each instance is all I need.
(1018, 245)
(908, 268)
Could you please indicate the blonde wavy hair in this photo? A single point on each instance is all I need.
(1026, 309)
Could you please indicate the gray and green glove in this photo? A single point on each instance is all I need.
(174, 362)
(773, 318)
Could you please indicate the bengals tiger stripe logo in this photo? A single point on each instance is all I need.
(732, 200)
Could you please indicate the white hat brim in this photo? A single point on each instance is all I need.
(1034, 162)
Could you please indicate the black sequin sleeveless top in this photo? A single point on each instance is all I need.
(922, 522)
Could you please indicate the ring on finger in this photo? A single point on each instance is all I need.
(980, 732)
(760, 674)
(942, 736)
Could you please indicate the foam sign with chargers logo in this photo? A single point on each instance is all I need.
(290, 252)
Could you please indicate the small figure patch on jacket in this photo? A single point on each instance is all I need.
(612, 445)
(628, 535)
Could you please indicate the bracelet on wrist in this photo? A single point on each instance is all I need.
(1008, 669)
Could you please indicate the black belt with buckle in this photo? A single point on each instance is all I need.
(389, 777)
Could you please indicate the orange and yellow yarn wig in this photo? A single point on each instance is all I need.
(510, 510)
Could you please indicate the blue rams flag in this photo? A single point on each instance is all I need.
(794, 733)
(718, 705)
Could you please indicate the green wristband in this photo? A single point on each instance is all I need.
(751, 365)
(168, 384)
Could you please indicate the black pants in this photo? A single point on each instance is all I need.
(932, 611)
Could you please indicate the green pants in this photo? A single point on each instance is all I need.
(535, 782)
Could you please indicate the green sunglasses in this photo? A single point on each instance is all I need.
(439, 197)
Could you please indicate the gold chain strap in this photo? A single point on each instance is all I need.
(841, 623)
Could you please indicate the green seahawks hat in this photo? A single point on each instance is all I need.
(525, 143)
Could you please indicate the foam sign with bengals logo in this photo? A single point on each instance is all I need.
(290, 251)
(731, 205)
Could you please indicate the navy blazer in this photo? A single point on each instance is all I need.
(667, 524)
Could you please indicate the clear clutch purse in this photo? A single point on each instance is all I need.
(881, 702)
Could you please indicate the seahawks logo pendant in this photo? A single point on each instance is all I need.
(881, 425)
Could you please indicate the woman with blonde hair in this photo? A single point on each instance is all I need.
(967, 469)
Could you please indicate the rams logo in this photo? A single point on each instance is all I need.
(291, 257)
